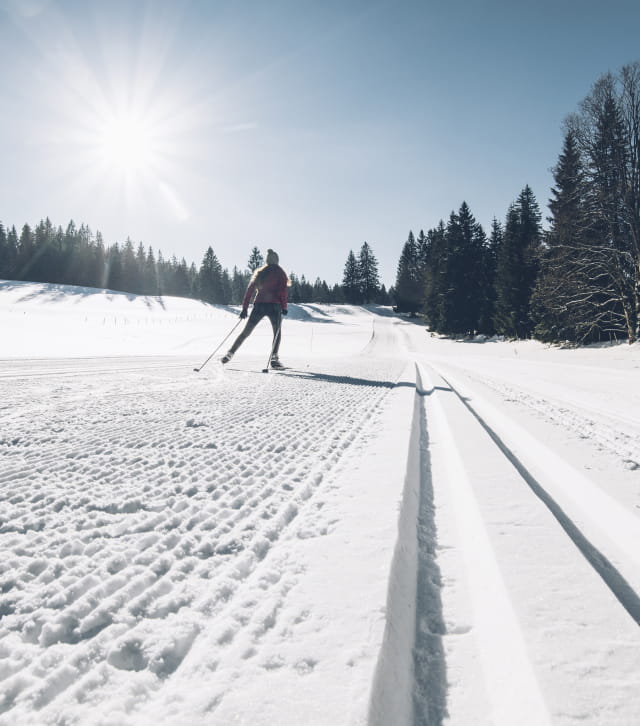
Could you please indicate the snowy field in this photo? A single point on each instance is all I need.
(397, 530)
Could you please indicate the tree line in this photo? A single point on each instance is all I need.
(578, 281)
(76, 256)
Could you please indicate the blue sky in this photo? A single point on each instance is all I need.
(308, 127)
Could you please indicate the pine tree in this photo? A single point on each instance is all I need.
(150, 273)
(239, 282)
(210, 278)
(129, 267)
(182, 279)
(487, 315)
(98, 264)
(517, 267)
(226, 293)
(306, 290)
(114, 268)
(70, 253)
(192, 276)
(294, 289)
(337, 294)
(423, 245)
(141, 264)
(43, 265)
(26, 247)
(472, 283)
(12, 254)
(612, 119)
(408, 287)
(351, 280)
(369, 281)
(435, 280)
(162, 268)
(558, 302)
(383, 296)
(256, 260)
(81, 272)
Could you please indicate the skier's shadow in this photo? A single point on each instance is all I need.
(348, 380)
(353, 381)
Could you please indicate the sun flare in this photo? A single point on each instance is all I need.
(127, 145)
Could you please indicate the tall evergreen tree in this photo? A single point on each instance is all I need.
(435, 280)
(368, 274)
(466, 285)
(210, 278)
(517, 267)
(182, 280)
(70, 253)
(42, 266)
(255, 259)
(26, 247)
(162, 268)
(141, 264)
(423, 246)
(12, 254)
(494, 243)
(337, 294)
(408, 287)
(608, 129)
(351, 280)
(560, 304)
(150, 274)
(226, 293)
(130, 276)
(81, 272)
(239, 281)
(114, 268)
(99, 262)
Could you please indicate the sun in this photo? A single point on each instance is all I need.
(127, 143)
(125, 134)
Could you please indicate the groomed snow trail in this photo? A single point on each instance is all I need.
(511, 605)
(397, 531)
(141, 505)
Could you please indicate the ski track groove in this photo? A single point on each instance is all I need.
(587, 423)
(570, 521)
(95, 574)
(472, 505)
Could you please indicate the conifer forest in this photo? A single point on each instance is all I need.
(576, 282)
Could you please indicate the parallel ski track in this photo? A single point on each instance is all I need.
(597, 555)
(503, 592)
(579, 418)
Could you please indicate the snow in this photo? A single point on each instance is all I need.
(397, 530)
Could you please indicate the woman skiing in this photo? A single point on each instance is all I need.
(271, 283)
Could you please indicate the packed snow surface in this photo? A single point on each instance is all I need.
(396, 530)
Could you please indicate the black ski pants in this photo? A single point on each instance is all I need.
(260, 310)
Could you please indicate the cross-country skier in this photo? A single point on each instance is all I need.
(271, 283)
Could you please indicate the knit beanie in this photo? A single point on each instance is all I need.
(272, 257)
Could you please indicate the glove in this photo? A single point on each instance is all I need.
(243, 314)
(284, 312)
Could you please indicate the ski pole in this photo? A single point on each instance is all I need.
(273, 347)
(197, 370)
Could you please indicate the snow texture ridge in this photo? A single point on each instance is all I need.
(397, 530)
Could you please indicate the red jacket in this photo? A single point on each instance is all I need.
(273, 288)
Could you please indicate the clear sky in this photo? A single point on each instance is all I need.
(305, 126)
